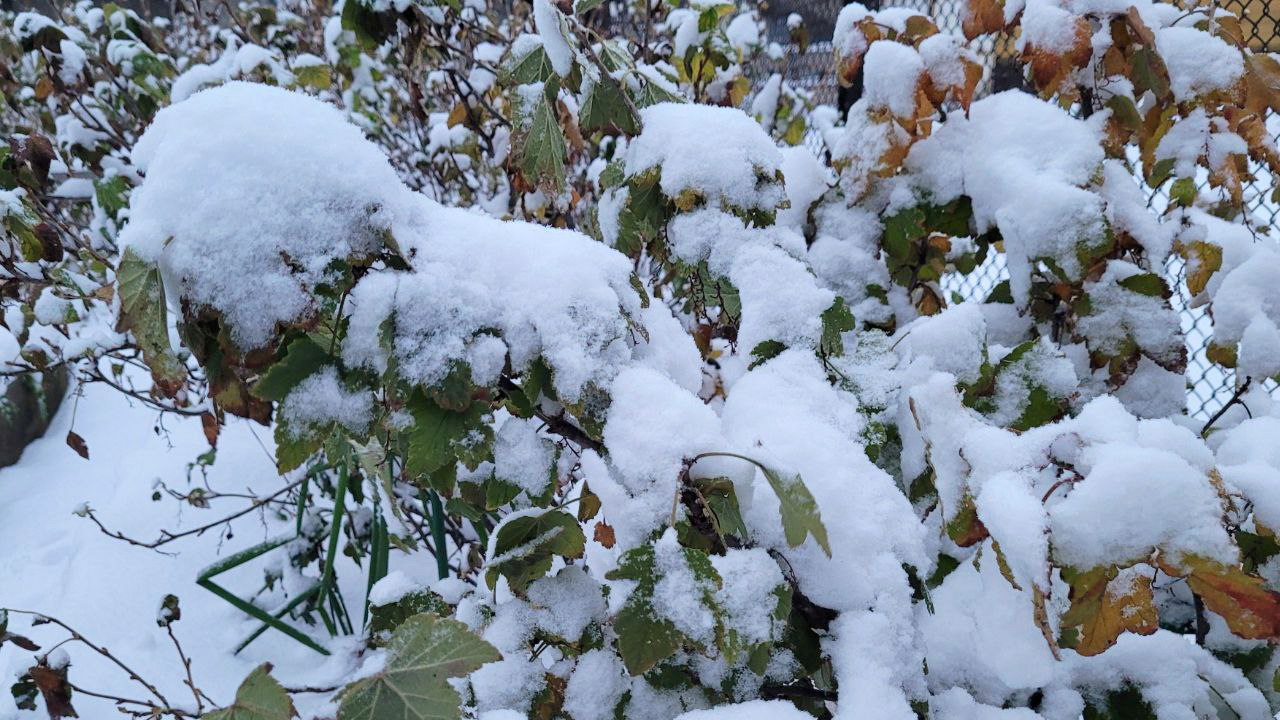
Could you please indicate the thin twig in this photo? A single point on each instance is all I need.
(168, 537)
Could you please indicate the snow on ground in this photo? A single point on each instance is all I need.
(59, 564)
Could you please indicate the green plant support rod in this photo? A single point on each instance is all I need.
(437, 534)
(339, 506)
(205, 580)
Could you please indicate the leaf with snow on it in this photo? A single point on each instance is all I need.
(425, 652)
(260, 697)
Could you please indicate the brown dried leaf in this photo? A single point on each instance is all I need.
(20, 640)
(55, 690)
(1263, 76)
(604, 534)
(1226, 27)
(1140, 28)
(209, 422)
(77, 443)
(1049, 69)
(982, 17)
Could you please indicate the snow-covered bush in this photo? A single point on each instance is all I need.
(677, 411)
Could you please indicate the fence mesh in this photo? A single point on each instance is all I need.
(1209, 387)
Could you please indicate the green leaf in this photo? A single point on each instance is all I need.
(1148, 284)
(1149, 73)
(294, 449)
(584, 6)
(525, 544)
(644, 638)
(1160, 171)
(541, 146)
(370, 27)
(425, 652)
(1183, 191)
(260, 697)
(764, 352)
(902, 231)
(112, 195)
(437, 434)
(532, 67)
(604, 107)
(836, 320)
(652, 93)
(1042, 409)
(641, 217)
(302, 358)
(387, 618)
(314, 77)
(800, 516)
(1125, 111)
(144, 313)
(722, 501)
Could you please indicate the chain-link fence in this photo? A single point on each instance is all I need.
(1209, 387)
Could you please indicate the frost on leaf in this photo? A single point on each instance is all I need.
(424, 653)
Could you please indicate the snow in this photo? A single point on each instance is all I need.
(321, 399)
(687, 161)
(892, 76)
(1106, 520)
(753, 710)
(1121, 315)
(669, 349)
(523, 458)
(249, 197)
(509, 684)
(953, 341)
(806, 180)
(1246, 305)
(743, 32)
(221, 203)
(46, 543)
(392, 588)
(1048, 29)
(235, 61)
(652, 427)
(557, 47)
(678, 595)
(564, 604)
(1025, 164)
(943, 54)
(847, 37)
(595, 687)
(749, 578)
(1198, 63)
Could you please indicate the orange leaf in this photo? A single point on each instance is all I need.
(982, 17)
(209, 422)
(1250, 609)
(604, 534)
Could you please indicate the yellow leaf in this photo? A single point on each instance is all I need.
(1224, 355)
(457, 115)
(1105, 603)
(1203, 260)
